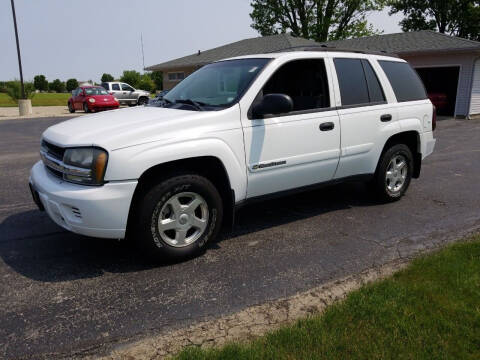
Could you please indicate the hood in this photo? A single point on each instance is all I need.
(124, 127)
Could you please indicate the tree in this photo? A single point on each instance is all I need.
(157, 77)
(40, 83)
(14, 90)
(146, 83)
(320, 20)
(57, 86)
(453, 17)
(131, 77)
(107, 78)
(71, 84)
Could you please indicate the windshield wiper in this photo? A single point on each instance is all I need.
(198, 105)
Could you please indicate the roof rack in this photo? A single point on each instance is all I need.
(334, 49)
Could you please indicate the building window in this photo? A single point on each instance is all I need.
(176, 76)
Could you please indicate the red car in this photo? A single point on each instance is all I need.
(91, 98)
(440, 100)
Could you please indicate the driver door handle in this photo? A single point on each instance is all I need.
(327, 126)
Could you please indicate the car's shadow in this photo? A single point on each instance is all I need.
(38, 249)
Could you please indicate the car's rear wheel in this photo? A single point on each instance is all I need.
(178, 217)
(142, 101)
(394, 173)
(70, 107)
(85, 107)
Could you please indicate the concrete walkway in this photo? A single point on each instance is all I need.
(8, 113)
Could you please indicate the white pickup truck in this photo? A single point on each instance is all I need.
(234, 131)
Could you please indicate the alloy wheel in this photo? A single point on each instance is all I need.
(183, 219)
(396, 173)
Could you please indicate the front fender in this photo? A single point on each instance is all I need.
(130, 163)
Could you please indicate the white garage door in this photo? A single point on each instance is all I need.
(475, 98)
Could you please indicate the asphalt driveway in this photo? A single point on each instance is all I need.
(65, 295)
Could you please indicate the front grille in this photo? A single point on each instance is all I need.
(53, 150)
(55, 153)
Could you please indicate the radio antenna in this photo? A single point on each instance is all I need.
(143, 55)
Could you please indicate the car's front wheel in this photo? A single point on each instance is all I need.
(394, 172)
(85, 107)
(178, 217)
(142, 101)
(70, 107)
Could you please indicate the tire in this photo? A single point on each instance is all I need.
(180, 203)
(85, 107)
(71, 108)
(142, 101)
(391, 179)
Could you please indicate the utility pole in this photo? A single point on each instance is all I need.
(18, 50)
(143, 55)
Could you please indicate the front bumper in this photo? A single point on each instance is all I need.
(88, 210)
(98, 106)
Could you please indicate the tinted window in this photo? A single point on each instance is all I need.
(305, 81)
(375, 90)
(404, 80)
(105, 86)
(116, 87)
(126, 87)
(352, 82)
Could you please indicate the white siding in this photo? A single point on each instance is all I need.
(475, 99)
(465, 61)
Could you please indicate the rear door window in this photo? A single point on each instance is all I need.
(116, 87)
(405, 82)
(375, 90)
(352, 82)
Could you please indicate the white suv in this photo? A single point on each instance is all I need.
(234, 131)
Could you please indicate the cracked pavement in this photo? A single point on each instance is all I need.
(64, 295)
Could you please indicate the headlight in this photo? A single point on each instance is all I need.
(85, 165)
(92, 100)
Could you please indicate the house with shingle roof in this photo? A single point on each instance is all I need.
(449, 66)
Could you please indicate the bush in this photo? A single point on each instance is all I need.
(57, 86)
(14, 90)
(40, 83)
(146, 83)
(72, 84)
(131, 77)
(107, 77)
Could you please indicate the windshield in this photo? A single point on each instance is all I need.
(96, 91)
(218, 85)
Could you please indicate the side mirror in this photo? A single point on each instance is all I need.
(273, 104)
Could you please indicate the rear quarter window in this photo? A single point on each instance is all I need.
(405, 82)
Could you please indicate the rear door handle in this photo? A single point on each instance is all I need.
(385, 117)
(326, 126)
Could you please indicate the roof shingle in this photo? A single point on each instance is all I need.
(399, 43)
(258, 45)
(408, 42)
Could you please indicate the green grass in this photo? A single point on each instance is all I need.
(40, 99)
(431, 310)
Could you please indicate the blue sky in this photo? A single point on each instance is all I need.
(83, 39)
